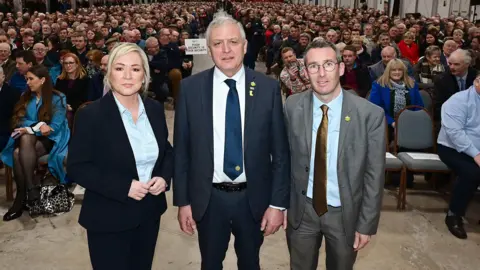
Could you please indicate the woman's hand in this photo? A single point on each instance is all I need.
(20, 131)
(45, 130)
(157, 185)
(138, 190)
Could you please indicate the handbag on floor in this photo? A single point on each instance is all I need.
(55, 199)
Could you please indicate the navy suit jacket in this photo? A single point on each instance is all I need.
(95, 87)
(266, 148)
(101, 160)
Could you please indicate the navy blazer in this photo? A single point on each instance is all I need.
(101, 160)
(381, 96)
(95, 87)
(445, 86)
(266, 148)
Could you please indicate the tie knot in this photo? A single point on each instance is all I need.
(231, 83)
(324, 109)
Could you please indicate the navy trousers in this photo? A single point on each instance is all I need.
(229, 213)
(127, 250)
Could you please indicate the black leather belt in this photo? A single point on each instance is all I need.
(230, 187)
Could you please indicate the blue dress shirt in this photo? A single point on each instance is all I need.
(334, 115)
(142, 140)
(461, 122)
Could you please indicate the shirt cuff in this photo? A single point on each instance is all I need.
(278, 208)
(472, 151)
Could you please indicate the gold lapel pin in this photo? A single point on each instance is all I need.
(253, 84)
(347, 118)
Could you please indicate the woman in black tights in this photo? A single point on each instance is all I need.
(40, 127)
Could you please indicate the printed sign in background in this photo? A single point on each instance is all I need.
(196, 46)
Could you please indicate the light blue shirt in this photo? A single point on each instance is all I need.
(334, 114)
(142, 140)
(461, 122)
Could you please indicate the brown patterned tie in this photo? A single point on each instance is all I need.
(320, 170)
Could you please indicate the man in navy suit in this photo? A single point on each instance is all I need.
(232, 163)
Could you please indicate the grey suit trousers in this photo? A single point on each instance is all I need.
(304, 243)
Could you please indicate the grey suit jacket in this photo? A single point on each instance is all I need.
(376, 70)
(360, 165)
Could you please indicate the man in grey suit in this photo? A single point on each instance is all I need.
(337, 144)
(388, 53)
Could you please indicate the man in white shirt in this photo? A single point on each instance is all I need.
(232, 162)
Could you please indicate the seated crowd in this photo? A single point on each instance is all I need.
(51, 64)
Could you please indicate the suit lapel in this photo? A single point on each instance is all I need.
(120, 136)
(347, 106)
(249, 99)
(308, 118)
(207, 108)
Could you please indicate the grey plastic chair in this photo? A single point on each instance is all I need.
(392, 163)
(414, 130)
(427, 101)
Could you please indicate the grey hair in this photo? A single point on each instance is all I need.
(320, 44)
(286, 27)
(431, 49)
(464, 54)
(222, 18)
(122, 49)
(390, 48)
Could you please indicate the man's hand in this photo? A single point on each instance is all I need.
(185, 219)
(272, 220)
(138, 190)
(157, 185)
(477, 159)
(361, 240)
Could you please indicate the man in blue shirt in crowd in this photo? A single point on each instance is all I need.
(459, 149)
(25, 60)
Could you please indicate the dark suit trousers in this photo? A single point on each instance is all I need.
(227, 213)
(468, 178)
(304, 243)
(127, 250)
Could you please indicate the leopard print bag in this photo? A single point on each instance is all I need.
(55, 199)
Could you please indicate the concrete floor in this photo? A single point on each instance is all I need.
(414, 239)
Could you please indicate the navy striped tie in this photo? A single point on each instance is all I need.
(233, 155)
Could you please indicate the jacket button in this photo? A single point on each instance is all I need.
(306, 169)
(303, 192)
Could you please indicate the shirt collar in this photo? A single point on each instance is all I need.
(220, 76)
(122, 109)
(332, 105)
(464, 77)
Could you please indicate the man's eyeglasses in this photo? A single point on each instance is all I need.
(328, 66)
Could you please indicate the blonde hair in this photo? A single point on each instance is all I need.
(385, 81)
(122, 49)
(409, 35)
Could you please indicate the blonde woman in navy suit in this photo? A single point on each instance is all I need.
(121, 155)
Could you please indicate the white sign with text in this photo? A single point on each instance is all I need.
(195, 46)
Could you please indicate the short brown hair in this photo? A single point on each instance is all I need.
(350, 48)
(287, 49)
